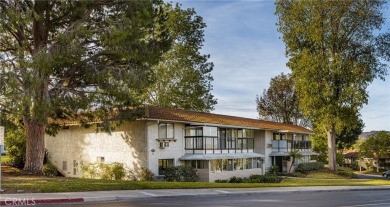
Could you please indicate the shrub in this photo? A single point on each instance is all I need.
(146, 174)
(50, 170)
(310, 166)
(274, 169)
(267, 178)
(235, 179)
(354, 165)
(172, 174)
(340, 159)
(16, 147)
(221, 181)
(181, 174)
(347, 174)
(89, 170)
(189, 174)
(104, 171)
(118, 172)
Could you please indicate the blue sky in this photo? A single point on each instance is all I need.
(246, 49)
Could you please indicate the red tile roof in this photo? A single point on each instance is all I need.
(158, 113)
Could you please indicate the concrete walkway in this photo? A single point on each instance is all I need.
(95, 196)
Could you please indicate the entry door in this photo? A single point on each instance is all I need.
(279, 163)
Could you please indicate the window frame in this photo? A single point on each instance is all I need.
(164, 165)
(165, 125)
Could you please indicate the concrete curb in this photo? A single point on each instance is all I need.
(33, 201)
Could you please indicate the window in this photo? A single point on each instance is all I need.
(227, 165)
(238, 165)
(194, 132)
(279, 136)
(197, 164)
(210, 131)
(202, 164)
(165, 131)
(75, 165)
(64, 165)
(257, 162)
(232, 138)
(100, 159)
(216, 166)
(163, 164)
(247, 133)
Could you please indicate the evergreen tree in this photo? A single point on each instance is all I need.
(59, 59)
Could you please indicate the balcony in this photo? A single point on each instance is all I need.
(289, 145)
(204, 144)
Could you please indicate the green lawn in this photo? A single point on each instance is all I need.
(44, 184)
(13, 181)
(323, 175)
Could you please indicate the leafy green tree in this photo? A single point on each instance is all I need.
(348, 133)
(333, 55)
(279, 102)
(320, 145)
(376, 146)
(59, 59)
(346, 137)
(182, 77)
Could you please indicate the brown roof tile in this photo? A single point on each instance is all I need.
(159, 113)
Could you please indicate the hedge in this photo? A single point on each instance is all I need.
(310, 166)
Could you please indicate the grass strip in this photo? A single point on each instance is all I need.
(51, 185)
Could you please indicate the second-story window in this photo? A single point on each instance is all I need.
(165, 131)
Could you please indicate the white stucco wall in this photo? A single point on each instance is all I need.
(259, 141)
(268, 136)
(126, 144)
(136, 145)
(174, 151)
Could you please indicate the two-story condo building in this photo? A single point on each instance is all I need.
(218, 146)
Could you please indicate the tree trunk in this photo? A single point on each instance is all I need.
(292, 163)
(377, 164)
(35, 147)
(332, 149)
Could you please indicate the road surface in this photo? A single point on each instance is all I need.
(368, 198)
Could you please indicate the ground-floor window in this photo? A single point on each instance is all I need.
(235, 164)
(163, 164)
(198, 164)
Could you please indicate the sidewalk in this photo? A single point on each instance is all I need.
(95, 196)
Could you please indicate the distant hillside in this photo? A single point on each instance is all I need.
(365, 135)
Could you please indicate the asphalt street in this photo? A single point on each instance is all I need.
(369, 198)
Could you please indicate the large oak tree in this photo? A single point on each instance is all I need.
(333, 55)
(61, 58)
